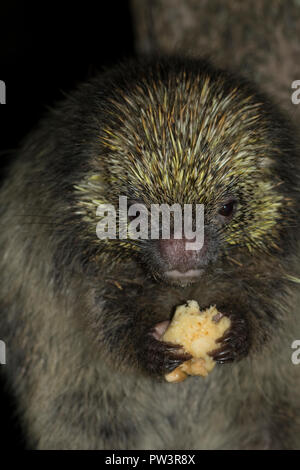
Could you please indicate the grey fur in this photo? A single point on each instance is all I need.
(73, 392)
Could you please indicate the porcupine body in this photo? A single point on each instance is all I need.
(79, 314)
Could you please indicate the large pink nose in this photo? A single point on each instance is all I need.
(177, 257)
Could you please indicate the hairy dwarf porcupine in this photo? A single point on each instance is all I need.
(81, 316)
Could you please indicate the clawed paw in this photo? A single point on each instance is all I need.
(234, 344)
(160, 357)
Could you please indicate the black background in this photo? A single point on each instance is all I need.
(45, 49)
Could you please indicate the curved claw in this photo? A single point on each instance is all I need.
(234, 344)
(161, 357)
(222, 356)
(174, 356)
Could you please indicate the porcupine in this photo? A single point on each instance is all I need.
(81, 317)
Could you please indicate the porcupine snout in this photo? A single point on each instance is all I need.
(180, 262)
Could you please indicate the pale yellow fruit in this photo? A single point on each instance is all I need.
(197, 331)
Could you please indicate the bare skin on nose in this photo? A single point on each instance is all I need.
(181, 262)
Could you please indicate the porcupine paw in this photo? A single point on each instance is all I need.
(159, 357)
(235, 343)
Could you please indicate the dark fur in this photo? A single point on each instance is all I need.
(80, 360)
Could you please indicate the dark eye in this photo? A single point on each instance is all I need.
(227, 209)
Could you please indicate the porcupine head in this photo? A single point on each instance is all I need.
(183, 133)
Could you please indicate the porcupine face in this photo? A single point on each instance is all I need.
(181, 135)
